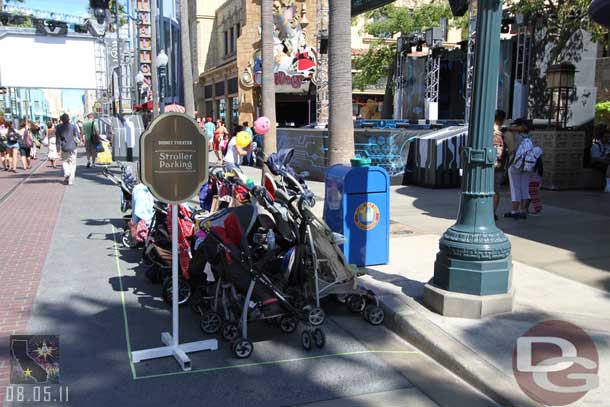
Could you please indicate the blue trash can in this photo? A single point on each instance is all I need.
(357, 205)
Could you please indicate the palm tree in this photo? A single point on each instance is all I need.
(340, 123)
(268, 79)
(187, 63)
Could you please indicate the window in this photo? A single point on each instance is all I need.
(232, 37)
(227, 43)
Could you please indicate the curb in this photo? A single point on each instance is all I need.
(450, 353)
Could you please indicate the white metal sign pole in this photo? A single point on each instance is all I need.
(173, 347)
(175, 283)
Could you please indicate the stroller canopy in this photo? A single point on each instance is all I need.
(279, 161)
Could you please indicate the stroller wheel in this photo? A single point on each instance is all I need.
(319, 338)
(288, 324)
(356, 303)
(230, 331)
(243, 348)
(374, 314)
(316, 316)
(127, 241)
(184, 291)
(210, 322)
(306, 340)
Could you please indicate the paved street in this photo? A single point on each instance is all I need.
(93, 295)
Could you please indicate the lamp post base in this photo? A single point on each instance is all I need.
(460, 305)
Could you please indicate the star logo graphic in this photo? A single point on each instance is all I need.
(27, 372)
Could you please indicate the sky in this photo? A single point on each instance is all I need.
(76, 7)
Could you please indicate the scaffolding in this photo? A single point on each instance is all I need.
(101, 78)
(322, 103)
(522, 62)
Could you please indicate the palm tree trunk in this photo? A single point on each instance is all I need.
(268, 90)
(340, 122)
(187, 63)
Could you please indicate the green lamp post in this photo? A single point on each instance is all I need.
(472, 272)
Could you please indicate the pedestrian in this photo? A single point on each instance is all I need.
(35, 136)
(238, 146)
(500, 165)
(520, 170)
(536, 183)
(209, 127)
(25, 145)
(92, 139)
(248, 158)
(52, 143)
(5, 160)
(257, 147)
(219, 134)
(68, 137)
(600, 156)
(12, 144)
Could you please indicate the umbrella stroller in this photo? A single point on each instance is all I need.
(259, 298)
(318, 262)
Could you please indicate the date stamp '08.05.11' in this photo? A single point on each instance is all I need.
(34, 379)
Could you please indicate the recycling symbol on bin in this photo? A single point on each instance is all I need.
(366, 215)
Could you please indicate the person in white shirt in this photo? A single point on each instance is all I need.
(239, 146)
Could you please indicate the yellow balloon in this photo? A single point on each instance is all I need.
(243, 139)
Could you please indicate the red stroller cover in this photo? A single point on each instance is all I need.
(186, 230)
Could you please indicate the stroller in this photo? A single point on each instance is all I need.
(317, 262)
(126, 182)
(249, 293)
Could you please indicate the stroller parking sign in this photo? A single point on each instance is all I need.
(174, 159)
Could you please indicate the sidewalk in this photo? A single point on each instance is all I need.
(29, 216)
(561, 271)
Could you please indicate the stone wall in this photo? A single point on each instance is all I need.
(562, 157)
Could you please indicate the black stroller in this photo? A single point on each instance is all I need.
(257, 296)
(317, 261)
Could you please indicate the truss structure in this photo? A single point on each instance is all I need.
(322, 72)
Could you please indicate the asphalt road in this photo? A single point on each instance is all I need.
(95, 297)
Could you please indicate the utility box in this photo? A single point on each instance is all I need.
(357, 205)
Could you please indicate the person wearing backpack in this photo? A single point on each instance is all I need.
(520, 169)
(68, 137)
(535, 183)
(501, 157)
(600, 156)
(25, 145)
(12, 146)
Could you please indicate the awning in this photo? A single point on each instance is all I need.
(174, 108)
(144, 106)
(599, 10)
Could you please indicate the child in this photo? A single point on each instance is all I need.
(535, 183)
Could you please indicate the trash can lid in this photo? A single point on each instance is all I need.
(360, 162)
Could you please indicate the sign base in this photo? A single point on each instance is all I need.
(177, 351)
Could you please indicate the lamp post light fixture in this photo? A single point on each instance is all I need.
(139, 82)
(162, 60)
(560, 81)
(473, 268)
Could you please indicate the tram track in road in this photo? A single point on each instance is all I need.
(14, 188)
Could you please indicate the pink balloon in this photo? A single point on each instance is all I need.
(262, 125)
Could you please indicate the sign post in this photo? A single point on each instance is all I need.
(174, 165)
